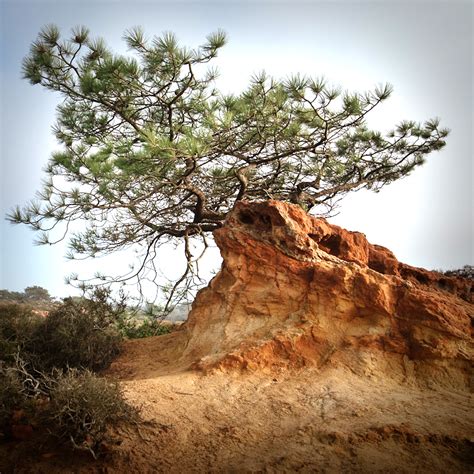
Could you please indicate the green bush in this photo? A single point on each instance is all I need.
(17, 325)
(134, 328)
(82, 408)
(81, 333)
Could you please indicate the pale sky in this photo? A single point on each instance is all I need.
(423, 48)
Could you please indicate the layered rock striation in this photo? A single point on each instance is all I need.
(296, 291)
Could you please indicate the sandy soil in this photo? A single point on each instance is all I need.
(327, 420)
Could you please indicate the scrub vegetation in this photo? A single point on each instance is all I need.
(48, 365)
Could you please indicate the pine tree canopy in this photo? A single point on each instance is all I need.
(151, 150)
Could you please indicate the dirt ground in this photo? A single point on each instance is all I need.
(326, 420)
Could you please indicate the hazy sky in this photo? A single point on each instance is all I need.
(423, 48)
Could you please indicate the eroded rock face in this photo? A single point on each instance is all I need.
(296, 291)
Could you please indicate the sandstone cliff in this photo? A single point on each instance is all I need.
(296, 291)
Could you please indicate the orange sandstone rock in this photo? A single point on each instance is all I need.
(295, 290)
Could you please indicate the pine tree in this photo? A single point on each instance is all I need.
(153, 151)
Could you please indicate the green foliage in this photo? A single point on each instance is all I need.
(18, 325)
(132, 327)
(80, 333)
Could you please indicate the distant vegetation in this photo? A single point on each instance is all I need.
(34, 295)
(465, 272)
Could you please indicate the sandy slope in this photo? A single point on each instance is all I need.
(331, 420)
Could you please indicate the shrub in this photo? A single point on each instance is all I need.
(40, 378)
(11, 395)
(17, 326)
(79, 333)
(83, 407)
(22, 389)
(75, 406)
(133, 328)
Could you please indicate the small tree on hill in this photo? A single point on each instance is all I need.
(37, 293)
(152, 151)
